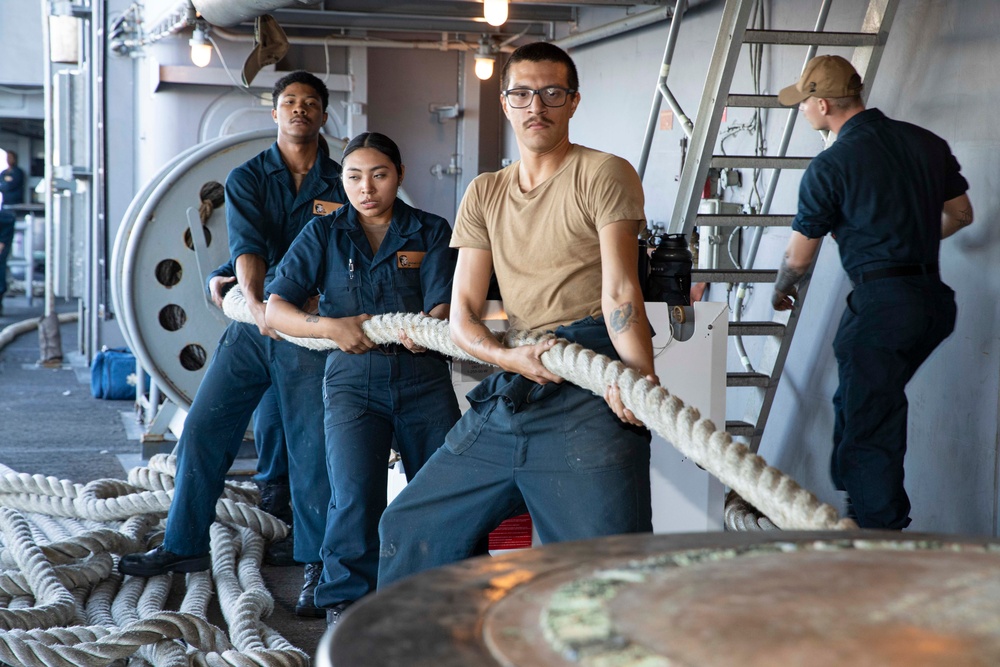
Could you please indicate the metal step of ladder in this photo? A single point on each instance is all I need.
(734, 32)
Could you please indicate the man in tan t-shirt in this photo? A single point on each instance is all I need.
(559, 228)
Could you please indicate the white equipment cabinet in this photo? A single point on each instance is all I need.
(685, 497)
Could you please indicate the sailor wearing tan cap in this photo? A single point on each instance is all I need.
(888, 192)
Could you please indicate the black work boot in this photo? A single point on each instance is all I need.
(334, 613)
(306, 606)
(160, 561)
(282, 552)
(276, 500)
(851, 513)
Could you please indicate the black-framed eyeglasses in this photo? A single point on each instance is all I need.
(551, 96)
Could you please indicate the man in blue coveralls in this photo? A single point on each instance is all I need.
(12, 189)
(888, 191)
(560, 229)
(269, 199)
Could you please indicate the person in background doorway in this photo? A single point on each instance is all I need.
(12, 191)
(269, 200)
(378, 255)
(560, 229)
(888, 192)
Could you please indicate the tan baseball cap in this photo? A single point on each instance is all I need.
(824, 76)
(269, 46)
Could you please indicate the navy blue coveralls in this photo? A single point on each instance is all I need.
(264, 215)
(12, 188)
(555, 450)
(268, 434)
(880, 189)
(374, 397)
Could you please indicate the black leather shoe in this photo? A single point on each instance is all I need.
(282, 552)
(160, 561)
(306, 606)
(334, 613)
(850, 511)
(276, 499)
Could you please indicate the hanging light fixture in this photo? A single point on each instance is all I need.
(495, 11)
(485, 59)
(201, 49)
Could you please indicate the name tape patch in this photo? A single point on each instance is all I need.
(321, 207)
(409, 259)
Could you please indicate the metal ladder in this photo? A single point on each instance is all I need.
(868, 46)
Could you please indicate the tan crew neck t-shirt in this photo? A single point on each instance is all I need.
(545, 245)
(375, 234)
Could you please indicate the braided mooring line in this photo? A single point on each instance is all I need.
(64, 603)
(427, 331)
(777, 495)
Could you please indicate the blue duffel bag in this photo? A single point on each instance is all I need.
(112, 374)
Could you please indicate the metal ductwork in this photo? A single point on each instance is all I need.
(227, 13)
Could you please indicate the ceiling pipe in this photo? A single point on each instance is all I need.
(628, 24)
(615, 28)
(227, 13)
(334, 40)
(530, 14)
(126, 34)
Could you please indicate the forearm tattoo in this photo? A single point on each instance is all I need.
(622, 318)
(787, 278)
(312, 319)
(476, 320)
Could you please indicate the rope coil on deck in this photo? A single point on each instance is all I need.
(775, 494)
(63, 602)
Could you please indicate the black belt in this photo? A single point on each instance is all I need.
(895, 272)
(390, 349)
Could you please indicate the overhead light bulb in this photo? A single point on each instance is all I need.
(495, 11)
(484, 59)
(484, 67)
(201, 49)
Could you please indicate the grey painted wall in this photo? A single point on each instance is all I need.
(402, 85)
(934, 73)
(20, 43)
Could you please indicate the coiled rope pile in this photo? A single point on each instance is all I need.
(63, 603)
(778, 496)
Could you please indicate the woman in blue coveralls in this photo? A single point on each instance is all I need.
(377, 255)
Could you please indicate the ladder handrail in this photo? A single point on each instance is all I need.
(720, 77)
(662, 92)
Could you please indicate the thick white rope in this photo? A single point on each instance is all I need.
(114, 500)
(777, 495)
(63, 603)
